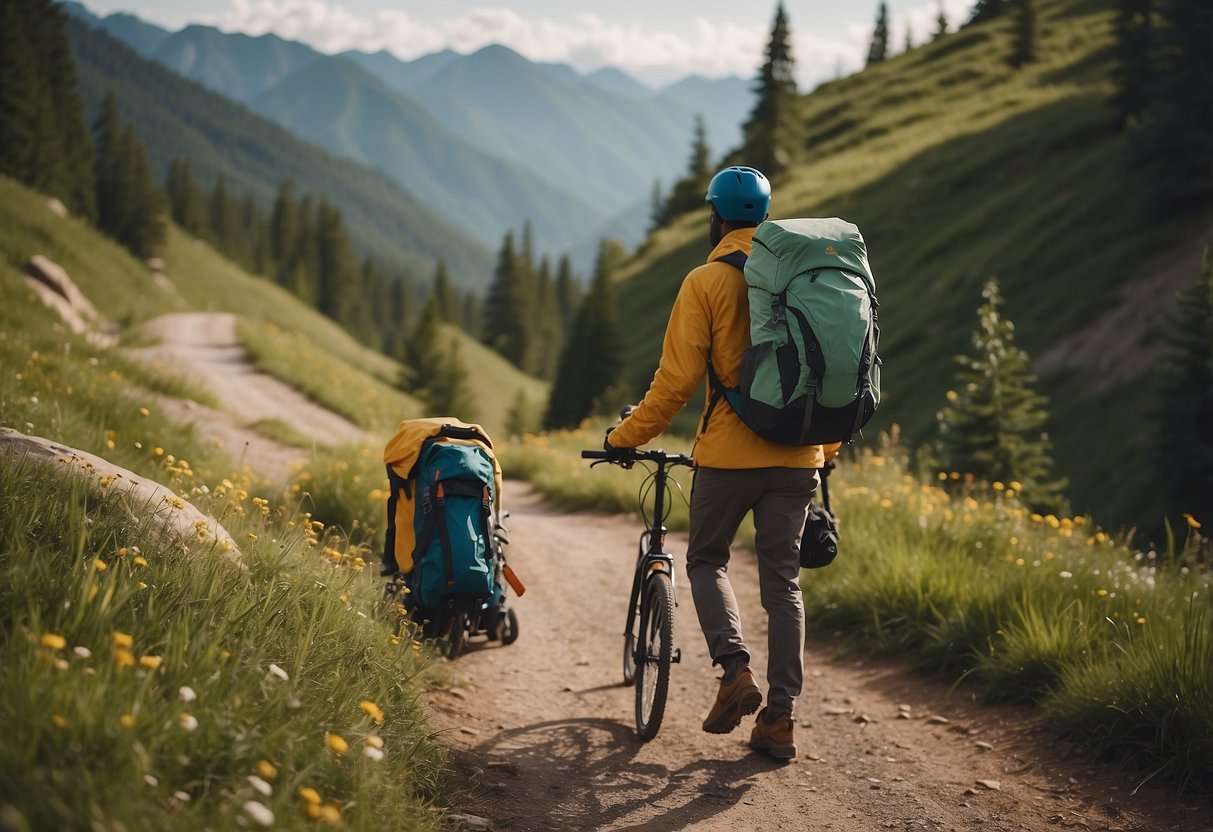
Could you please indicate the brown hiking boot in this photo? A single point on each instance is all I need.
(775, 739)
(734, 700)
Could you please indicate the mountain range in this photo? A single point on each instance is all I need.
(487, 141)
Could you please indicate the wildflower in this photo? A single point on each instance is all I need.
(58, 721)
(1193, 523)
(151, 780)
(150, 662)
(188, 721)
(100, 565)
(107, 480)
(1019, 561)
(158, 451)
(259, 813)
(373, 754)
(123, 658)
(372, 710)
(329, 812)
(175, 502)
(310, 795)
(953, 396)
(142, 585)
(139, 560)
(127, 720)
(260, 785)
(252, 538)
(336, 743)
(275, 670)
(53, 642)
(187, 694)
(266, 769)
(82, 652)
(1066, 574)
(1141, 620)
(184, 797)
(143, 411)
(1101, 592)
(373, 741)
(998, 486)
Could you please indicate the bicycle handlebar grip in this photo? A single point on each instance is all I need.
(597, 455)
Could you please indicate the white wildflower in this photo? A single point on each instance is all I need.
(187, 694)
(259, 813)
(188, 721)
(260, 785)
(374, 754)
(150, 780)
(82, 652)
(275, 670)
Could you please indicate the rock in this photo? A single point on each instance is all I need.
(57, 208)
(470, 821)
(505, 768)
(936, 719)
(837, 711)
(178, 518)
(156, 264)
(54, 277)
(992, 785)
(863, 719)
(983, 745)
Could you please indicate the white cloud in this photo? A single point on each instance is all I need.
(587, 41)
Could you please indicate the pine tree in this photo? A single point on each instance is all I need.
(1134, 33)
(509, 298)
(186, 201)
(130, 206)
(773, 136)
(437, 377)
(472, 312)
(987, 10)
(44, 138)
(909, 37)
(656, 207)
(449, 393)
(941, 23)
(520, 419)
(568, 292)
(1183, 411)
(339, 285)
(991, 424)
(223, 218)
(448, 301)
(878, 50)
(1179, 136)
(591, 361)
(687, 193)
(1024, 49)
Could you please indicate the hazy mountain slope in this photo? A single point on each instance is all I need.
(236, 65)
(176, 117)
(611, 148)
(341, 107)
(958, 169)
(397, 74)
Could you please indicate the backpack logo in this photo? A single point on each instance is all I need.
(830, 250)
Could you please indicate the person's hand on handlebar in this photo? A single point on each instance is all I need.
(624, 413)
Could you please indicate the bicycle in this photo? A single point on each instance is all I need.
(648, 647)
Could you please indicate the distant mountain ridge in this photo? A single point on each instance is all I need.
(572, 151)
(176, 117)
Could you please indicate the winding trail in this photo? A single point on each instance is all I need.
(202, 346)
(543, 729)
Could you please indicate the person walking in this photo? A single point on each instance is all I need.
(736, 472)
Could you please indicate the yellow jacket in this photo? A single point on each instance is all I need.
(710, 319)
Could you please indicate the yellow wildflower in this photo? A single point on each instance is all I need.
(372, 710)
(336, 743)
(127, 720)
(122, 639)
(143, 411)
(53, 642)
(252, 538)
(1193, 523)
(373, 741)
(266, 769)
(1101, 592)
(100, 565)
(58, 721)
(310, 795)
(150, 662)
(140, 560)
(123, 658)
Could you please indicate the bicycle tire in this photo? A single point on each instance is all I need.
(629, 631)
(509, 632)
(655, 651)
(455, 636)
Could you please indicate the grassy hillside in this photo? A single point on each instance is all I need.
(285, 337)
(957, 169)
(176, 117)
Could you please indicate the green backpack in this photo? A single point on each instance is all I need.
(811, 374)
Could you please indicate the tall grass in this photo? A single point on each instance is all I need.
(145, 680)
(1114, 645)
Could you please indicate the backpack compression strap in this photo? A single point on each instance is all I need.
(397, 483)
(736, 259)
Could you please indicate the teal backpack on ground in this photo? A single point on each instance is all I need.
(452, 521)
(811, 374)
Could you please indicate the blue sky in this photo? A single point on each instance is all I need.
(654, 41)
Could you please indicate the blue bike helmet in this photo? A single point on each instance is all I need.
(740, 194)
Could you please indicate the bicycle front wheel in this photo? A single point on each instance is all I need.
(654, 650)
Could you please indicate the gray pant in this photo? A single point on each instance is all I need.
(779, 498)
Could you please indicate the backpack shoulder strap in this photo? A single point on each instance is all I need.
(736, 259)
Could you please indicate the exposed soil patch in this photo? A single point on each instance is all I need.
(544, 731)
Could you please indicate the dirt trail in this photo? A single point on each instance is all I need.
(543, 729)
(203, 346)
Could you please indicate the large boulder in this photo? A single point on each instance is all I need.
(182, 520)
(57, 290)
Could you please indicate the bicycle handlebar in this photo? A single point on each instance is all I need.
(623, 455)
